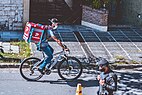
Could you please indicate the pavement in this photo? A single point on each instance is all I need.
(124, 42)
(118, 42)
(130, 83)
(8, 48)
(121, 42)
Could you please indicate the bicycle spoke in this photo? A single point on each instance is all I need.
(28, 69)
(70, 69)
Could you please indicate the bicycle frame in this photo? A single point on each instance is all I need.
(55, 60)
(61, 55)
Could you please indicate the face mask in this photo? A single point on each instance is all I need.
(55, 26)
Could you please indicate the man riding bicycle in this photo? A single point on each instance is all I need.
(45, 47)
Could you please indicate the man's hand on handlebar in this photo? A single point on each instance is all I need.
(65, 48)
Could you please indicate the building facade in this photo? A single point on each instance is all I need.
(131, 12)
(15, 13)
(11, 14)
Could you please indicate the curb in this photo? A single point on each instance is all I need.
(126, 66)
(9, 65)
(116, 66)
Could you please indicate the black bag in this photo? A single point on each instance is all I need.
(114, 76)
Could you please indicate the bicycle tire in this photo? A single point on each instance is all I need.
(26, 66)
(70, 65)
(1, 57)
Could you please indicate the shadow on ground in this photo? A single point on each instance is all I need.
(130, 82)
(73, 83)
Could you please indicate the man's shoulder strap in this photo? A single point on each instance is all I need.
(112, 74)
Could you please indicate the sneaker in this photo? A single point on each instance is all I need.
(47, 71)
(40, 70)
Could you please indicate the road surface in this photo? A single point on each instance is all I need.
(11, 83)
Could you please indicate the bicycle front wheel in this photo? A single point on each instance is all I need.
(28, 71)
(70, 68)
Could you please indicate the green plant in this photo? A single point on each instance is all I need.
(97, 4)
(134, 62)
(24, 50)
(119, 57)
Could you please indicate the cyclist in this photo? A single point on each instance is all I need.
(45, 47)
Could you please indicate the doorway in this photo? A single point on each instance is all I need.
(42, 10)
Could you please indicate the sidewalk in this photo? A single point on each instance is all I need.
(8, 48)
(123, 42)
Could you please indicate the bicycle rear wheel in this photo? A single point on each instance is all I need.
(70, 69)
(28, 71)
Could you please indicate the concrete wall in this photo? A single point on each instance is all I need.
(93, 18)
(69, 3)
(26, 11)
(11, 14)
(130, 11)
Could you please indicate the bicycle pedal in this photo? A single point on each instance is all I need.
(41, 71)
(31, 72)
(47, 72)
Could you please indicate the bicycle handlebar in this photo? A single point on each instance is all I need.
(66, 48)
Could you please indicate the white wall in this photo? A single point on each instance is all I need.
(11, 14)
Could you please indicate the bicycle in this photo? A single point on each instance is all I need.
(68, 68)
(1, 51)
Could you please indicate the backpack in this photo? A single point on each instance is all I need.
(34, 32)
(114, 76)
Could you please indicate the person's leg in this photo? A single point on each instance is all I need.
(49, 52)
(52, 50)
(98, 92)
